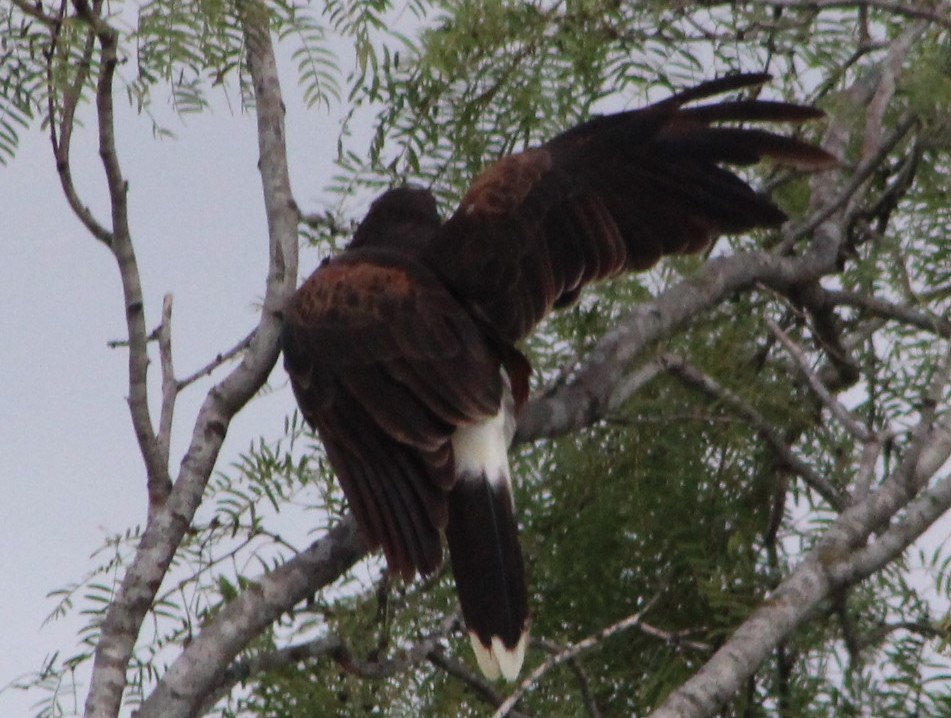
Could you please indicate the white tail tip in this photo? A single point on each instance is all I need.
(497, 660)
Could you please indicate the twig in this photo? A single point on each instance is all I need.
(846, 195)
(891, 68)
(35, 11)
(569, 653)
(584, 682)
(853, 425)
(682, 369)
(478, 684)
(938, 15)
(217, 361)
(61, 131)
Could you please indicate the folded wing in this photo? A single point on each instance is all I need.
(385, 364)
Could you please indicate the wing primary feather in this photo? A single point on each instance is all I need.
(720, 85)
(752, 111)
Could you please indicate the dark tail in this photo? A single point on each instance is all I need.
(490, 576)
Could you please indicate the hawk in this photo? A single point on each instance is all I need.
(402, 350)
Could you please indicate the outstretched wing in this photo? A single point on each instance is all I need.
(385, 364)
(613, 194)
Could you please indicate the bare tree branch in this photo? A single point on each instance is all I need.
(217, 362)
(167, 523)
(169, 390)
(568, 653)
(891, 68)
(477, 683)
(61, 128)
(819, 296)
(584, 681)
(938, 15)
(852, 425)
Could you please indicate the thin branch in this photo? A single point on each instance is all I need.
(61, 130)
(938, 15)
(584, 682)
(219, 359)
(683, 370)
(879, 307)
(845, 417)
(849, 190)
(481, 687)
(35, 11)
(570, 652)
(336, 649)
(891, 68)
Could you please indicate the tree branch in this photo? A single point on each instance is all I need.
(936, 15)
(217, 362)
(201, 668)
(817, 295)
(587, 397)
(169, 393)
(61, 131)
(477, 683)
(838, 560)
(693, 376)
(169, 522)
(852, 425)
(568, 653)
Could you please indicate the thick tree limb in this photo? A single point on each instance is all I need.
(202, 668)
(586, 398)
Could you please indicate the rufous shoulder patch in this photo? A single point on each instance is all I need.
(501, 187)
(342, 289)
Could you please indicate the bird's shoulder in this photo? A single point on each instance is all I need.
(364, 285)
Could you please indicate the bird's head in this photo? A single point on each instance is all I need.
(402, 218)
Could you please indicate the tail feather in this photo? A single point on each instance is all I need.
(490, 577)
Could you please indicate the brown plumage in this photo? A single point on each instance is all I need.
(401, 351)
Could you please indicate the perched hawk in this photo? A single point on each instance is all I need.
(402, 350)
